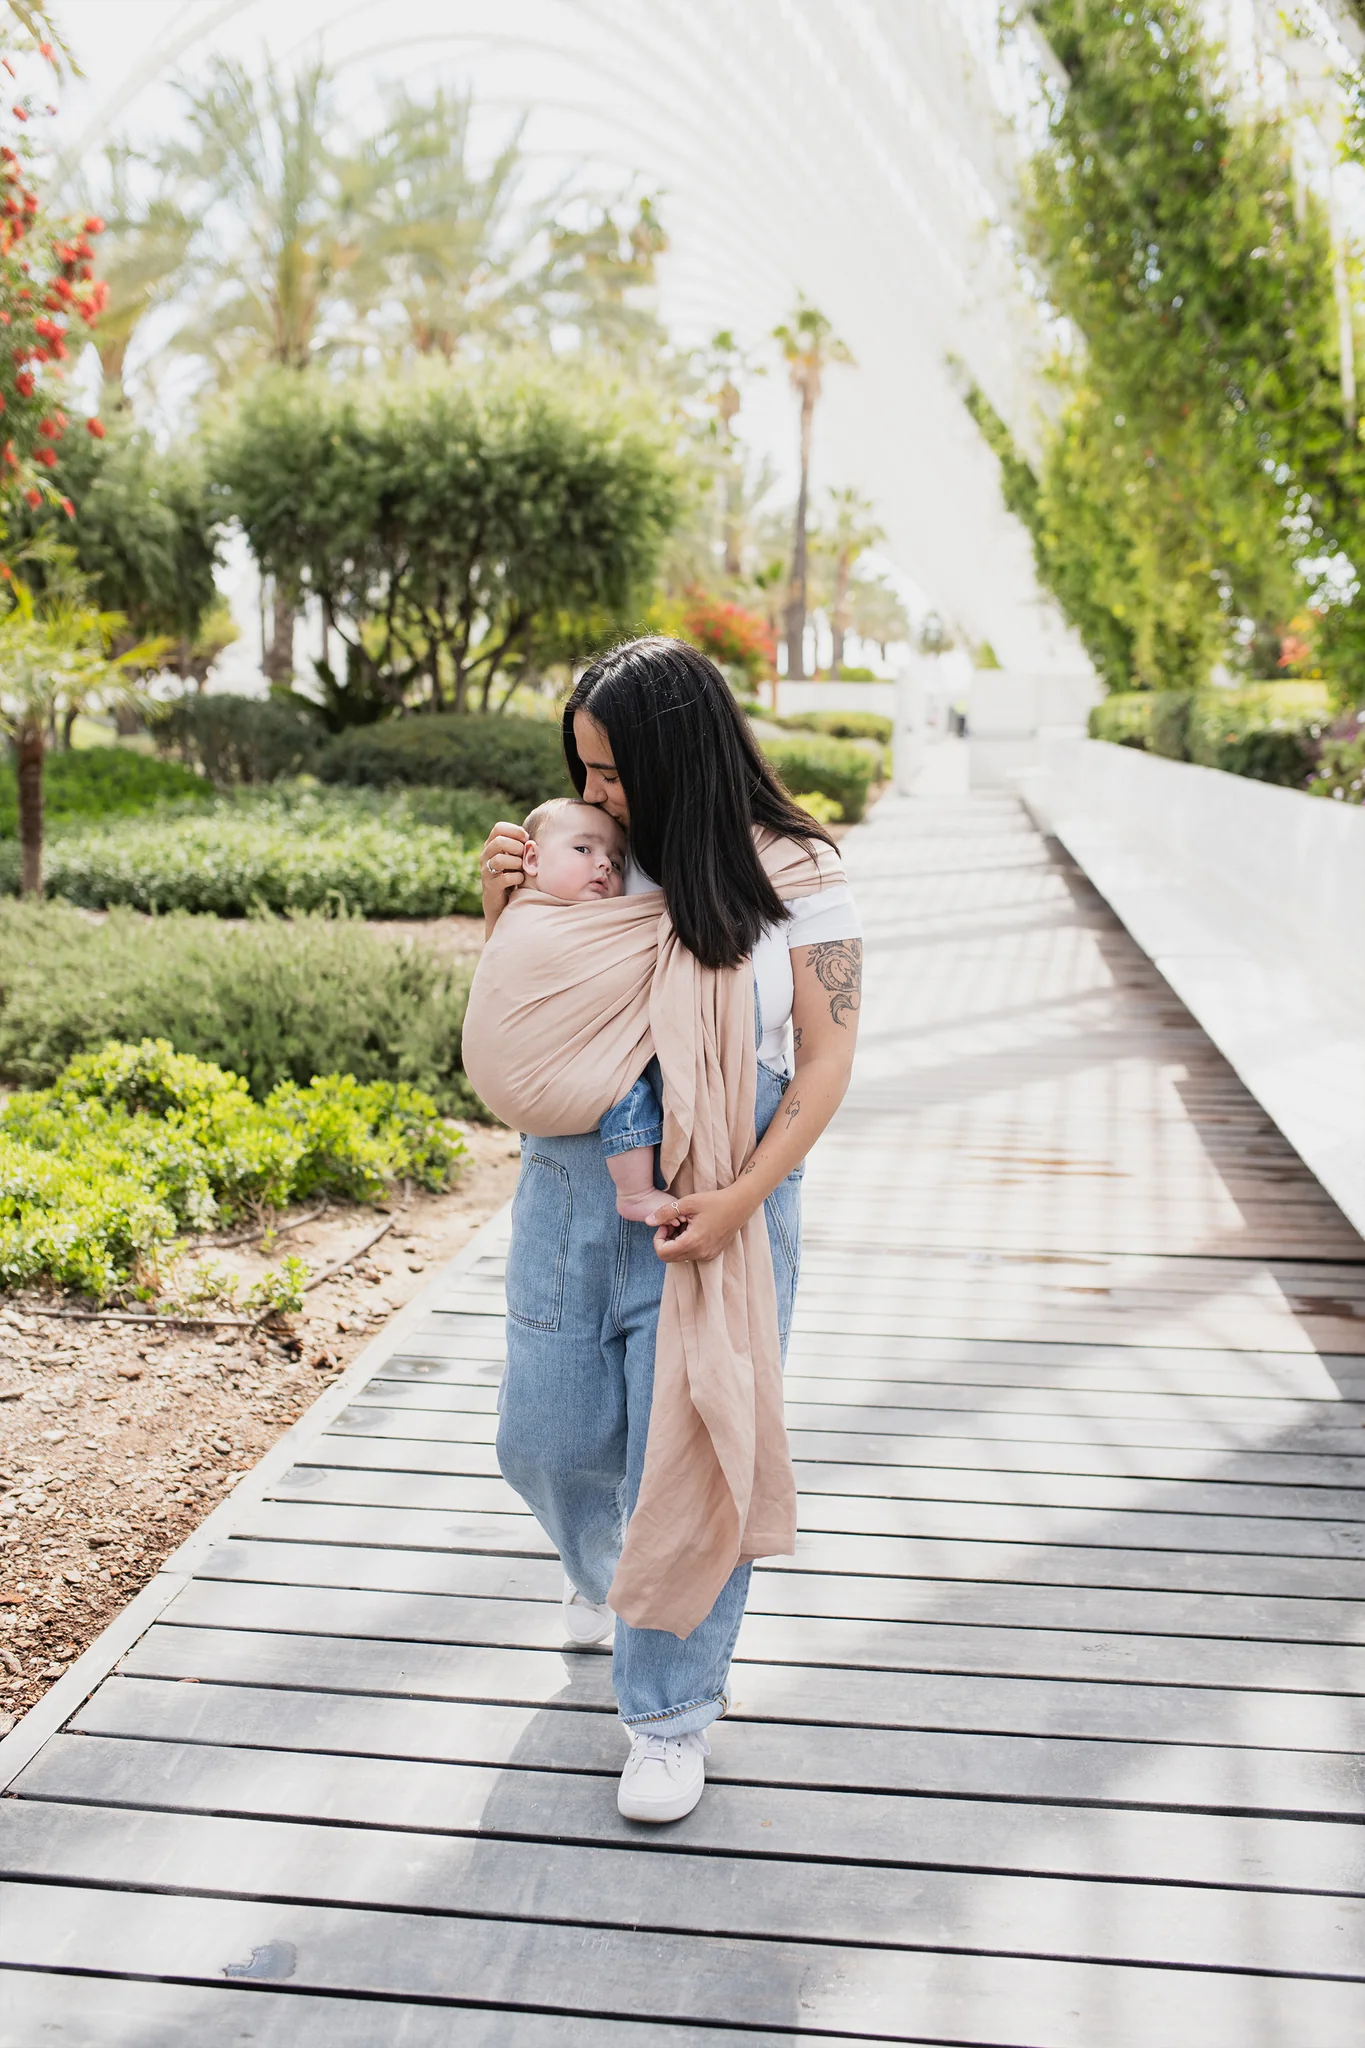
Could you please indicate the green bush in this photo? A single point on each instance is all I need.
(100, 782)
(273, 999)
(521, 756)
(136, 1143)
(235, 740)
(1124, 719)
(841, 725)
(843, 770)
(238, 858)
(1268, 731)
(1340, 771)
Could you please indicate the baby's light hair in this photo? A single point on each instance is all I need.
(540, 817)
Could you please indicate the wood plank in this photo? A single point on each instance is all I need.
(805, 1693)
(641, 1888)
(778, 1589)
(897, 1995)
(519, 1535)
(869, 1644)
(877, 1828)
(1205, 1778)
(110, 2012)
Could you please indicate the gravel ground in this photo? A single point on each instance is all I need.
(116, 1439)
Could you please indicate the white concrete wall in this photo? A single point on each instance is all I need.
(1007, 710)
(1251, 901)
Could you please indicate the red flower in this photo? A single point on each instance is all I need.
(95, 427)
(45, 50)
(49, 427)
(33, 497)
(25, 383)
(94, 226)
(68, 508)
(47, 456)
(19, 113)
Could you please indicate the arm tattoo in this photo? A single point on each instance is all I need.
(791, 1109)
(796, 1039)
(839, 965)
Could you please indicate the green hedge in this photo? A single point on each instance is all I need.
(236, 860)
(842, 770)
(1340, 772)
(1270, 732)
(274, 999)
(236, 740)
(135, 1144)
(522, 756)
(841, 725)
(100, 782)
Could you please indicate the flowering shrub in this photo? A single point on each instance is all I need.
(134, 1144)
(47, 283)
(732, 637)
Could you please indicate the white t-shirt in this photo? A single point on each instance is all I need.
(810, 920)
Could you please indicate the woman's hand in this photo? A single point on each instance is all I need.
(500, 869)
(700, 1226)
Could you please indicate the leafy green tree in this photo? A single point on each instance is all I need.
(876, 613)
(145, 535)
(846, 537)
(444, 526)
(809, 345)
(1200, 453)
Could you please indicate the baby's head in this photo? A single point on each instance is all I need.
(575, 851)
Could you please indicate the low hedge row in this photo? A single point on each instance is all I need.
(843, 770)
(100, 782)
(521, 756)
(135, 1144)
(1270, 732)
(235, 860)
(841, 725)
(274, 999)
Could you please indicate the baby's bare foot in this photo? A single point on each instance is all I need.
(638, 1208)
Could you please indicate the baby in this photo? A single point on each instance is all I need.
(578, 852)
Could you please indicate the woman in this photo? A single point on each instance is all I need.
(653, 735)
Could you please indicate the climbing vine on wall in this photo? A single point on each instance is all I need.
(1200, 453)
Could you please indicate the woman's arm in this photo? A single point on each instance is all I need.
(500, 870)
(827, 979)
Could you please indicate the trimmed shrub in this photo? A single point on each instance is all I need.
(1124, 719)
(236, 740)
(100, 782)
(1269, 733)
(135, 1143)
(842, 770)
(841, 725)
(274, 1000)
(1340, 772)
(236, 860)
(1170, 721)
(522, 756)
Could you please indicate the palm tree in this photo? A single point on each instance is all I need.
(851, 532)
(144, 256)
(54, 663)
(594, 278)
(279, 239)
(876, 612)
(436, 237)
(809, 345)
(725, 362)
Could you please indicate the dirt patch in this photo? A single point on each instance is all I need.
(116, 1439)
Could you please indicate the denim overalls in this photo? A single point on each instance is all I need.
(583, 1294)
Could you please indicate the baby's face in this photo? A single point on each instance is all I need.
(581, 854)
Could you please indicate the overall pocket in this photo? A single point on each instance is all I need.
(541, 1213)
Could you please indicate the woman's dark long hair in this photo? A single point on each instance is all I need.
(696, 785)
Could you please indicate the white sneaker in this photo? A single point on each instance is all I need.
(584, 1622)
(664, 1777)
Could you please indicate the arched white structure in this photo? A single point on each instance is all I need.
(856, 150)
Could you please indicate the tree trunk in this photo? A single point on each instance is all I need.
(278, 663)
(29, 749)
(69, 717)
(734, 505)
(839, 617)
(796, 601)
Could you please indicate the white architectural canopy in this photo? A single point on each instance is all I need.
(859, 151)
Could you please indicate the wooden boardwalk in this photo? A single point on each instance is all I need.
(1050, 1735)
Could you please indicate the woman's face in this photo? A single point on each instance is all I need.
(603, 784)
